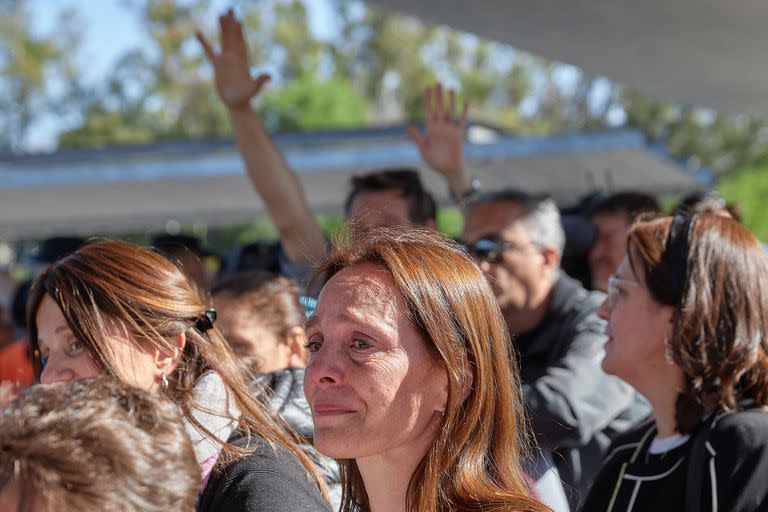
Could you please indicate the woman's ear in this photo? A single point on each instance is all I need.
(296, 339)
(166, 363)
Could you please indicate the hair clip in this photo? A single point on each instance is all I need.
(205, 321)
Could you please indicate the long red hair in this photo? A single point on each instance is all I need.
(475, 462)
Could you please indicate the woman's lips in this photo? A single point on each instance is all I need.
(331, 409)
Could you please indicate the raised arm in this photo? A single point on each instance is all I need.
(303, 240)
(442, 144)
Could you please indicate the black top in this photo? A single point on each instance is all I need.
(266, 480)
(735, 472)
(286, 398)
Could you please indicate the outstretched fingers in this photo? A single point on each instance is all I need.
(417, 137)
(451, 114)
(207, 48)
(440, 102)
(439, 110)
(258, 83)
(464, 113)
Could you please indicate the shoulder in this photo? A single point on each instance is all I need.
(268, 478)
(266, 458)
(574, 303)
(626, 443)
(741, 432)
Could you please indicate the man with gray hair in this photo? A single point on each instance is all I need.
(575, 408)
(517, 239)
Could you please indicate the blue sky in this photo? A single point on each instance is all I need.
(111, 27)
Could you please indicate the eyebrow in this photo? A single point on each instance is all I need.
(58, 330)
(311, 322)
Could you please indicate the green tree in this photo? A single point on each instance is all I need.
(722, 143)
(155, 93)
(747, 188)
(308, 104)
(29, 63)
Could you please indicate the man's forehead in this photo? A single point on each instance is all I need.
(616, 218)
(493, 216)
(377, 196)
(390, 204)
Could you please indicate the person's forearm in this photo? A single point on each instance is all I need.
(459, 182)
(279, 188)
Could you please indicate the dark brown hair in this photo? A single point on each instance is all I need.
(715, 272)
(422, 207)
(109, 285)
(474, 463)
(95, 444)
(272, 299)
(634, 204)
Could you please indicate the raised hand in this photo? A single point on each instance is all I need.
(442, 144)
(234, 82)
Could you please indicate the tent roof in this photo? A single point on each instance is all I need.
(141, 188)
(697, 52)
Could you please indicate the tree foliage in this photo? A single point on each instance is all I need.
(29, 62)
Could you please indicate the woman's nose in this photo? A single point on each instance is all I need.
(604, 311)
(325, 367)
(55, 371)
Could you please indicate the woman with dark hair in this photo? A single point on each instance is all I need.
(409, 378)
(124, 310)
(687, 314)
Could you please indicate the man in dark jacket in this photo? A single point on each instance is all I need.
(518, 240)
(575, 408)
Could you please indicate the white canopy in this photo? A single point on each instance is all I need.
(708, 53)
(141, 188)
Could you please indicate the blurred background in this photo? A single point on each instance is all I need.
(110, 125)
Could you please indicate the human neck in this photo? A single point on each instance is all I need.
(662, 391)
(521, 321)
(386, 483)
(387, 476)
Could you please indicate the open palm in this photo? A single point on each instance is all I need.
(233, 79)
(442, 144)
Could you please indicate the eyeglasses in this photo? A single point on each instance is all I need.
(488, 250)
(614, 283)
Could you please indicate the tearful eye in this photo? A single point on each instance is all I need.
(75, 348)
(362, 344)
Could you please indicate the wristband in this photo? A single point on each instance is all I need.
(472, 192)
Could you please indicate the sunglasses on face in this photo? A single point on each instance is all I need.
(488, 250)
(614, 288)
